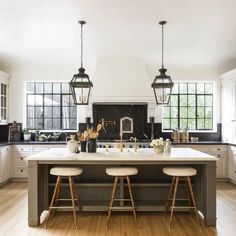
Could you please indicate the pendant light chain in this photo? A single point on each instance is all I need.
(162, 63)
(81, 45)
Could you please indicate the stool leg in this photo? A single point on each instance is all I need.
(57, 193)
(111, 201)
(73, 201)
(75, 193)
(169, 195)
(188, 194)
(132, 201)
(173, 201)
(193, 200)
(52, 201)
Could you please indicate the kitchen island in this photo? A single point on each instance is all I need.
(150, 186)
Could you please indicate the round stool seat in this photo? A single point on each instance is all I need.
(121, 171)
(66, 171)
(180, 171)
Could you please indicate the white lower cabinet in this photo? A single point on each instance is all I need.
(5, 163)
(232, 163)
(20, 152)
(219, 151)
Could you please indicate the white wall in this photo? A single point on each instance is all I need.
(115, 79)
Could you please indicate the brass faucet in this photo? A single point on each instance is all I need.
(121, 141)
(135, 143)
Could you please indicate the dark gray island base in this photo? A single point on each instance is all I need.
(150, 187)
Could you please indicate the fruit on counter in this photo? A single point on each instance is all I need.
(42, 137)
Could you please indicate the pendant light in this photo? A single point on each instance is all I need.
(80, 84)
(162, 84)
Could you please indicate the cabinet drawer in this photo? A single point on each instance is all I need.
(22, 148)
(20, 172)
(218, 149)
(219, 155)
(20, 161)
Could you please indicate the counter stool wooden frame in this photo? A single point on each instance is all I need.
(64, 173)
(181, 174)
(121, 173)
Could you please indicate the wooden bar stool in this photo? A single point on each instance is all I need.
(120, 173)
(181, 174)
(64, 172)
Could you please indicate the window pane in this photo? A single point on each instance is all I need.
(182, 88)
(30, 123)
(183, 123)
(56, 100)
(208, 88)
(30, 112)
(65, 88)
(30, 100)
(200, 112)
(175, 88)
(38, 100)
(191, 112)
(48, 124)
(47, 87)
(200, 123)
(56, 87)
(56, 124)
(208, 112)
(174, 112)
(48, 100)
(73, 124)
(166, 123)
(200, 88)
(65, 124)
(56, 112)
(191, 100)
(208, 101)
(66, 100)
(174, 123)
(30, 88)
(174, 100)
(65, 112)
(191, 124)
(183, 112)
(38, 124)
(73, 112)
(208, 124)
(183, 100)
(191, 88)
(38, 112)
(48, 112)
(166, 112)
(39, 87)
(200, 100)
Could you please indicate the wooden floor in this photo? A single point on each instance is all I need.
(13, 218)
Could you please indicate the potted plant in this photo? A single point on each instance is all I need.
(27, 134)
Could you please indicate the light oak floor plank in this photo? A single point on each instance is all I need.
(13, 218)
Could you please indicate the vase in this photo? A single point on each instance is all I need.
(158, 150)
(83, 145)
(72, 144)
(92, 145)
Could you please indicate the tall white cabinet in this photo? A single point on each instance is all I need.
(3, 97)
(5, 163)
(228, 106)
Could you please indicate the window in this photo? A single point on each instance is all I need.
(191, 105)
(49, 106)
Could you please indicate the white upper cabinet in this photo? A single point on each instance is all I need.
(228, 106)
(3, 97)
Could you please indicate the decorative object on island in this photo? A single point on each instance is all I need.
(167, 146)
(14, 132)
(26, 134)
(194, 139)
(158, 145)
(185, 135)
(42, 137)
(72, 144)
(175, 135)
(80, 84)
(162, 84)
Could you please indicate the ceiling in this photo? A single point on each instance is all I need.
(198, 33)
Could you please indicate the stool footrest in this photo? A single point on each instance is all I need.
(66, 199)
(61, 207)
(122, 208)
(122, 199)
(187, 207)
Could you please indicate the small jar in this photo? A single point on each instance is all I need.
(92, 145)
(167, 146)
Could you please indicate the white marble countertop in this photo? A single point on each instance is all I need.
(113, 154)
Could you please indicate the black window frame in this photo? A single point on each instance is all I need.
(197, 95)
(53, 119)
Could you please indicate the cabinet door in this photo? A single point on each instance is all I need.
(228, 101)
(3, 103)
(221, 171)
(5, 164)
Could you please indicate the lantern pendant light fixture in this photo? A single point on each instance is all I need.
(162, 84)
(80, 84)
